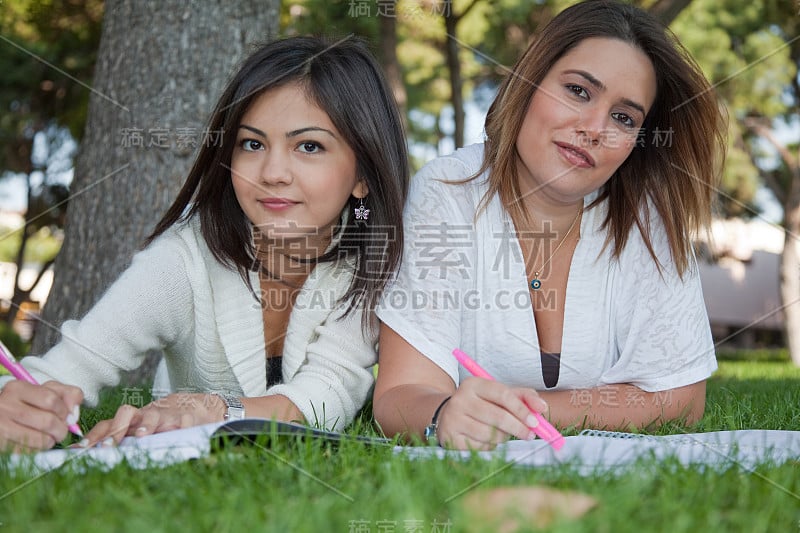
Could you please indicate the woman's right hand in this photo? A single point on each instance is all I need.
(482, 413)
(35, 417)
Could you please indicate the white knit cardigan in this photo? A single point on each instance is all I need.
(177, 297)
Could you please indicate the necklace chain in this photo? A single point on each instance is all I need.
(536, 283)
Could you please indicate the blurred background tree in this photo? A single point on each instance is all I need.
(42, 118)
(750, 51)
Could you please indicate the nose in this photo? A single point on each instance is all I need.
(276, 168)
(592, 123)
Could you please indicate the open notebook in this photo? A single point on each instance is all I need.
(594, 452)
(591, 452)
(180, 445)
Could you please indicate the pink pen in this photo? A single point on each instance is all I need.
(544, 430)
(19, 372)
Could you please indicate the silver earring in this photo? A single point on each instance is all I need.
(360, 212)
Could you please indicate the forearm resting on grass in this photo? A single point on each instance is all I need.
(181, 410)
(624, 407)
(480, 414)
(483, 413)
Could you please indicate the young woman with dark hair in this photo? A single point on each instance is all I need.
(260, 282)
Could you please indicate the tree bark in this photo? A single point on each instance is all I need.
(391, 65)
(456, 81)
(790, 261)
(160, 68)
(451, 46)
(790, 270)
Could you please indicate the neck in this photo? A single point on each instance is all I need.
(557, 218)
(284, 269)
(306, 246)
(289, 262)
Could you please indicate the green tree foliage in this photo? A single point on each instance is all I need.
(49, 48)
(421, 47)
(742, 47)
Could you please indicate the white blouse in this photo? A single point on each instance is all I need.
(462, 283)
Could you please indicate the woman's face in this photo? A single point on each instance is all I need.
(292, 170)
(583, 120)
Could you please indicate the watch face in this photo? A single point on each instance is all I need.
(235, 413)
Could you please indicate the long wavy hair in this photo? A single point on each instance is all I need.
(678, 177)
(346, 82)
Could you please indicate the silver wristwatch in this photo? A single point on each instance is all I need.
(235, 408)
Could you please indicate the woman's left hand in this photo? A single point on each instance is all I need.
(176, 411)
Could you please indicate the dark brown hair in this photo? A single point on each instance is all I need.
(679, 178)
(346, 82)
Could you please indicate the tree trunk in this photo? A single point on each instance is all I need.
(790, 262)
(456, 83)
(19, 295)
(790, 268)
(160, 68)
(391, 65)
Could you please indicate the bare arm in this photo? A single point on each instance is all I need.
(622, 406)
(410, 387)
(483, 413)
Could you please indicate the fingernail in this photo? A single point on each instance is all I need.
(141, 429)
(108, 442)
(74, 416)
(84, 443)
(531, 421)
(531, 436)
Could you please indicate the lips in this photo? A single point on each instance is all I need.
(277, 203)
(575, 155)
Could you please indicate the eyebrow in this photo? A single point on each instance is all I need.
(601, 86)
(289, 134)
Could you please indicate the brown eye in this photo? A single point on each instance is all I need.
(309, 147)
(251, 145)
(578, 91)
(624, 119)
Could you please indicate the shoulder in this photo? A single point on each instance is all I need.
(461, 164)
(183, 234)
(182, 243)
(441, 181)
(636, 258)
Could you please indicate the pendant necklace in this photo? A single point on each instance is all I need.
(536, 283)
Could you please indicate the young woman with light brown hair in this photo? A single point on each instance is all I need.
(558, 253)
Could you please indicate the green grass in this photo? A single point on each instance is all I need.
(310, 487)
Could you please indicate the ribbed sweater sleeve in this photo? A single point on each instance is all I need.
(146, 308)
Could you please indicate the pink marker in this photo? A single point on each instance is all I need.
(19, 372)
(544, 430)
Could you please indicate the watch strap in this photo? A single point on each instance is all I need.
(431, 430)
(235, 407)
